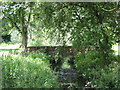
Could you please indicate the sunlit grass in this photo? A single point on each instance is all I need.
(65, 65)
(9, 45)
(115, 48)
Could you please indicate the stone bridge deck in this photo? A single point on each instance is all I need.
(51, 50)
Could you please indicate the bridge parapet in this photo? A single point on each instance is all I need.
(51, 50)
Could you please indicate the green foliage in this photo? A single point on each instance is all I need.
(35, 43)
(107, 77)
(85, 62)
(18, 17)
(38, 56)
(82, 24)
(92, 68)
(27, 72)
(82, 21)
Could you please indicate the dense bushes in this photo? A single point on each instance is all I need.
(107, 77)
(32, 71)
(92, 69)
(87, 61)
(27, 72)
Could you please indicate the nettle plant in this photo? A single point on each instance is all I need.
(26, 72)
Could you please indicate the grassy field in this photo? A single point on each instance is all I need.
(9, 46)
(9, 49)
(6, 48)
(15, 46)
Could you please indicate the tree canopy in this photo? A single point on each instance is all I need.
(89, 24)
(82, 24)
(17, 16)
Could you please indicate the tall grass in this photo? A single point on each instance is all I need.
(27, 72)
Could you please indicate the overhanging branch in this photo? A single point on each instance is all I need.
(15, 24)
(29, 17)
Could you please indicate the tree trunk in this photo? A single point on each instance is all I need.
(24, 41)
(24, 32)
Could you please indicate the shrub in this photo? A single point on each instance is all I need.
(92, 69)
(26, 72)
(107, 77)
(85, 62)
(38, 56)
